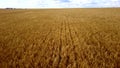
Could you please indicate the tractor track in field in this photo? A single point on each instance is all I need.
(60, 45)
(73, 44)
(62, 39)
(73, 36)
(67, 31)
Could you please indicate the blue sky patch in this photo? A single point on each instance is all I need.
(65, 0)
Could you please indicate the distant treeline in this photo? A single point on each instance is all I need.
(14, 8)
(10, 8)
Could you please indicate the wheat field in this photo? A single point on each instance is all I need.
(60, 38)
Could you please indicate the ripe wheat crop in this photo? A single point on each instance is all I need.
(60, 38)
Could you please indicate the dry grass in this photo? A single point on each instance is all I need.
(60, 38)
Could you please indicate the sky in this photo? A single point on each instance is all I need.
(58, 3)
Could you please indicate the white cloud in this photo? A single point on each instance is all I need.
(58, 3)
